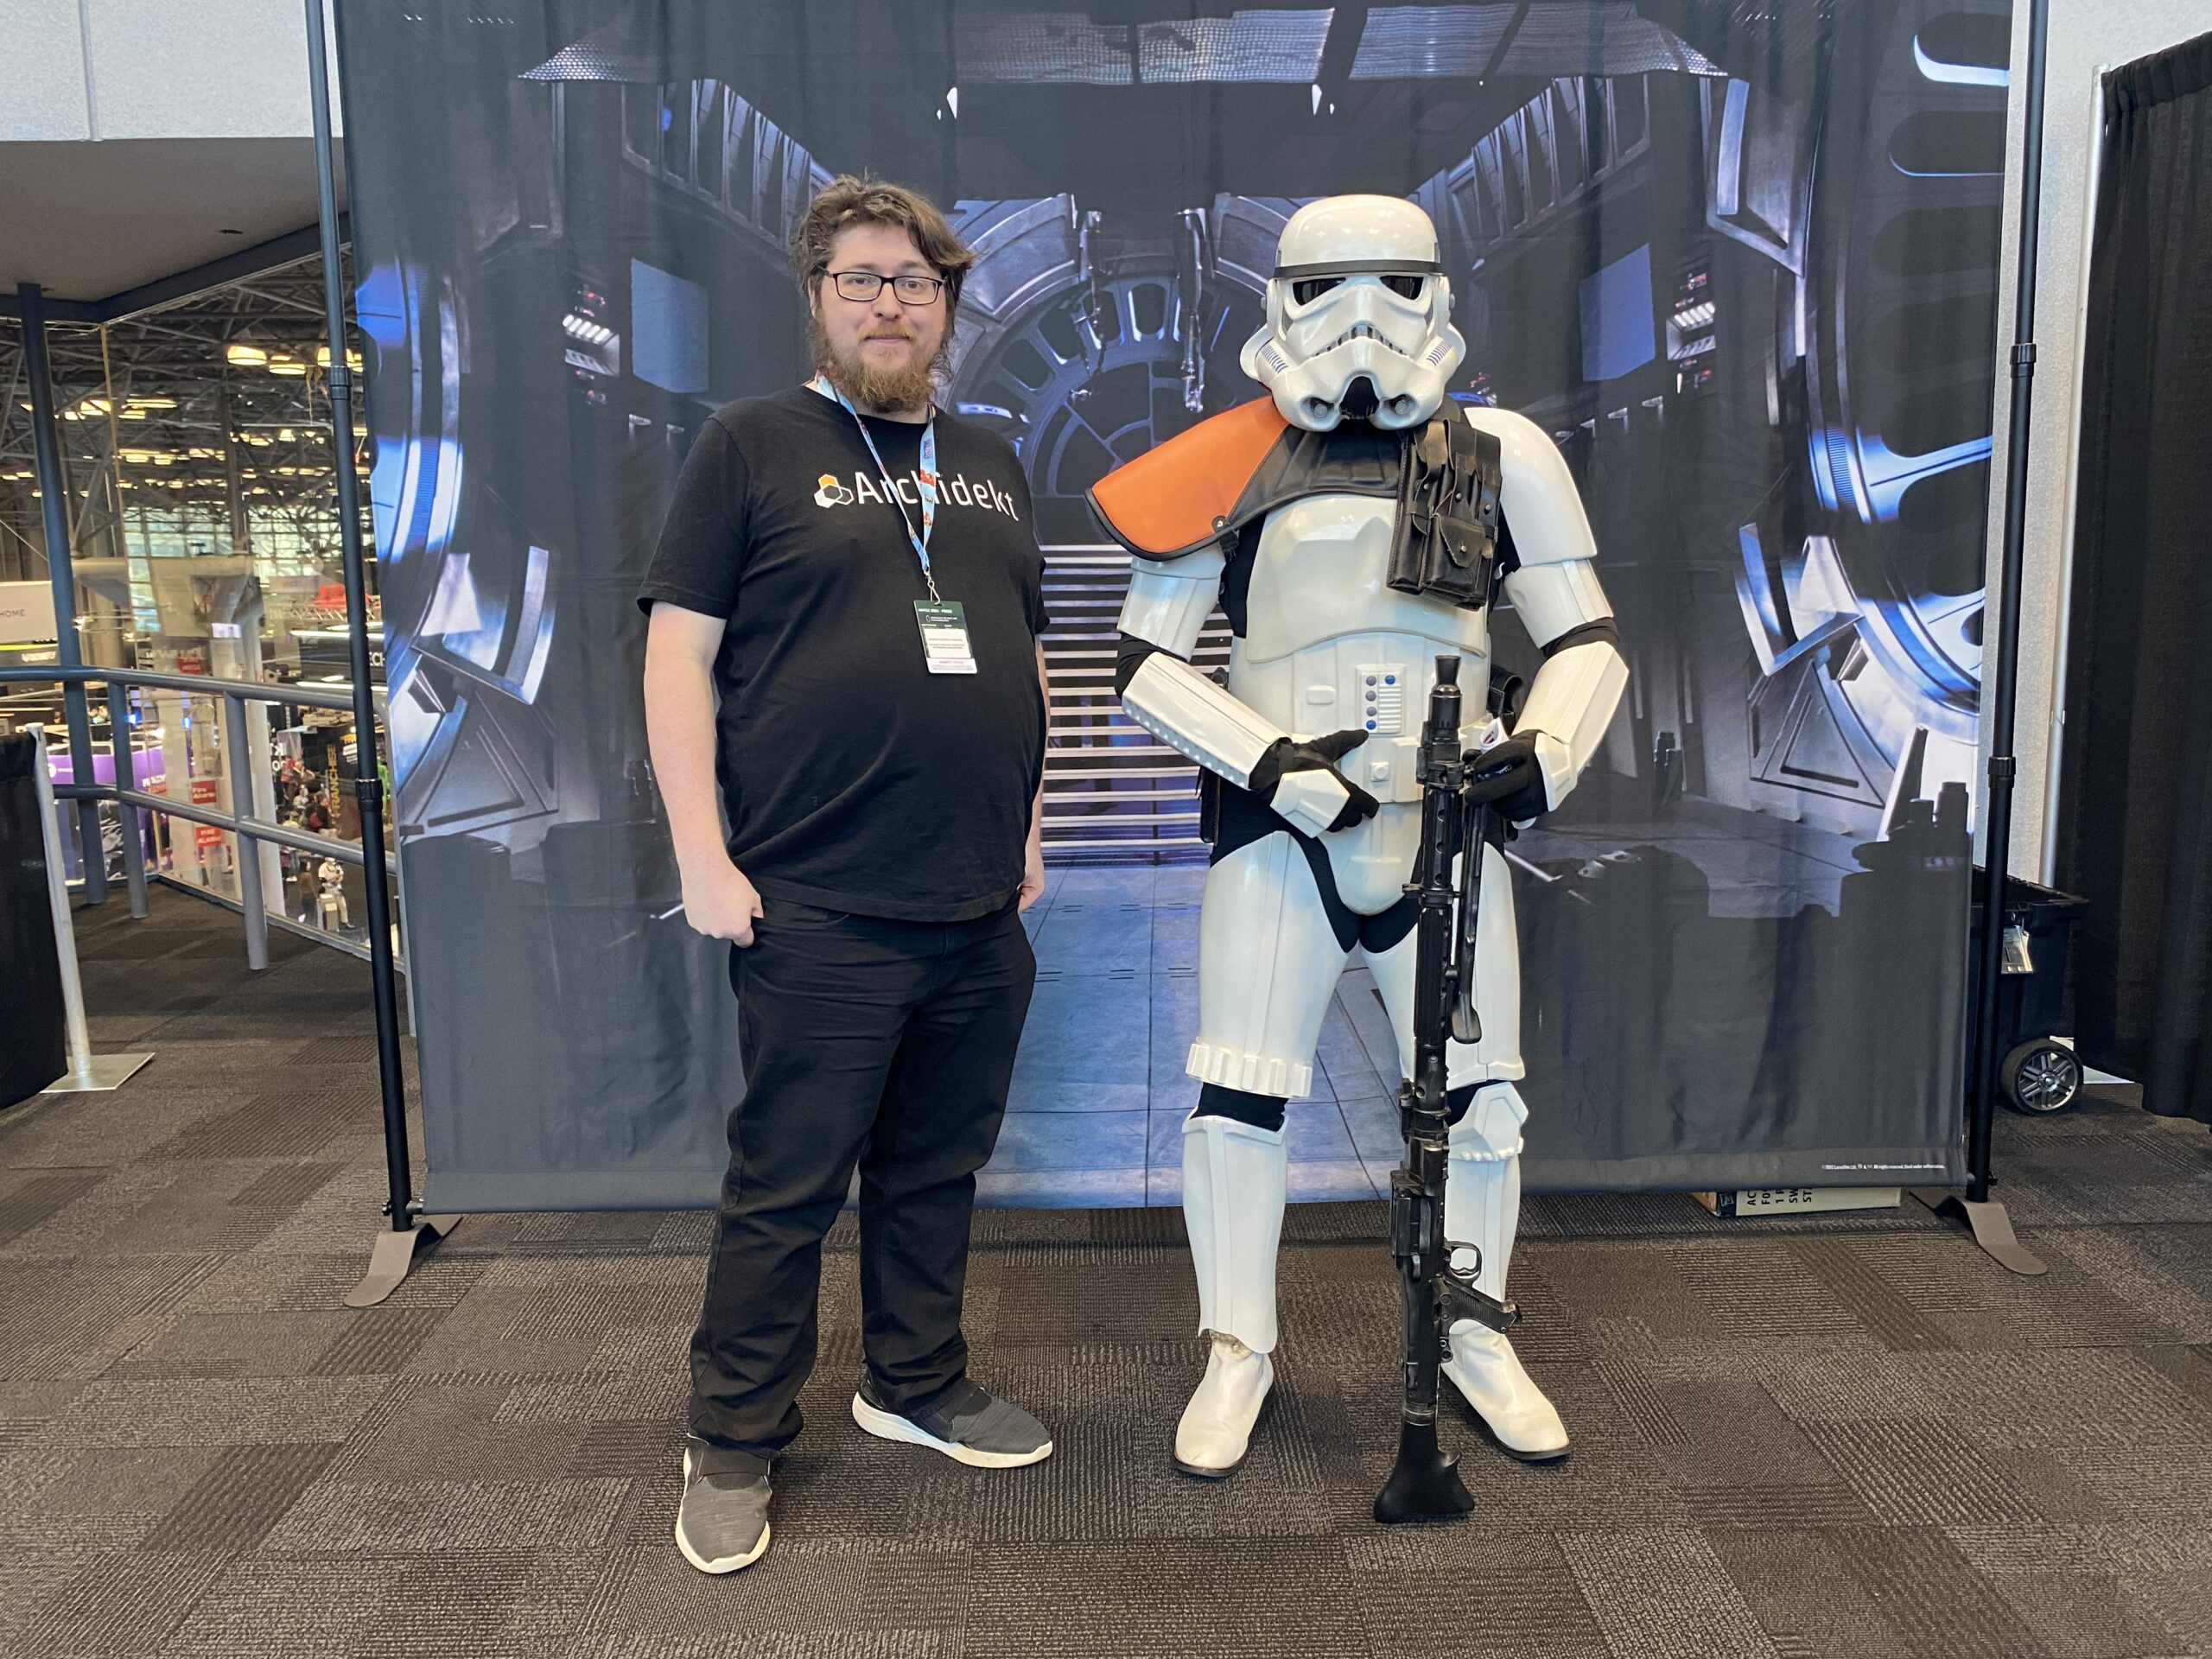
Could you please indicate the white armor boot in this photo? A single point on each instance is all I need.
(1481, 1207)
(1234, 1182)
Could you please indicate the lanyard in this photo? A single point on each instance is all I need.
(927, 470)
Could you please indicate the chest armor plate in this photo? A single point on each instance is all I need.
(1330, 644)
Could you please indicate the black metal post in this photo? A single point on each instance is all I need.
(1993, 1228)
(53, 499)
(2001, 679)
(368, 783)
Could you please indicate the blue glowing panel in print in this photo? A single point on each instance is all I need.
(1617, 334)
(668, 330)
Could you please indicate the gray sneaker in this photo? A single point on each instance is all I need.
(722, 1523)
(966, 1424)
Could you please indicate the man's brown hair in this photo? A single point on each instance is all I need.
(849, 201)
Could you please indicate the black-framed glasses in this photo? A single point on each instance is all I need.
(867, 284)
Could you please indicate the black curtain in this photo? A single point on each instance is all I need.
(2135, 783)
(34, 1048)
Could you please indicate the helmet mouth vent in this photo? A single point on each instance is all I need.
(1360, 399)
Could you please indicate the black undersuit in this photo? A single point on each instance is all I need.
(1245, 819)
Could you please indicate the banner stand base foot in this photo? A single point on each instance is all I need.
(1992, 1227)
(102, 1072)
(393, 1255)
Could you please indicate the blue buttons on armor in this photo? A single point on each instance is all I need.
(1371, 725)
(1387, 679)
(1370, 679)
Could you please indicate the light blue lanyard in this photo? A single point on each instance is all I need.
(927, 470)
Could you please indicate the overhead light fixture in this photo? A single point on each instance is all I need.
(151, 402)
(285, 434)
(245, 356)
(279, 364)
(323, 359)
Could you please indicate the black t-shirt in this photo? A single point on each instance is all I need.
(854, 778)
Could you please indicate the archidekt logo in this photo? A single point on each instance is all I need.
(960, 490)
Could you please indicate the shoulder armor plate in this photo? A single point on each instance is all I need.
(1202, 487)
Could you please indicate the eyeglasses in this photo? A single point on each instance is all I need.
(866, 285)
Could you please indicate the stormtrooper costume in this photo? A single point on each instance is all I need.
(1286, 511)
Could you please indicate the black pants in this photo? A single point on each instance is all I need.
(886, 1044)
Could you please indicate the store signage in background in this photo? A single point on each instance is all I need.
(204, 790)
(192, 660)
(26, 613)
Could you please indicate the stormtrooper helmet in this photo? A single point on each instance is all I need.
(1359, 317)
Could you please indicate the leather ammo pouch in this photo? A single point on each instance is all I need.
(1447, 513)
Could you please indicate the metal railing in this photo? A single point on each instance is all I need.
(237, 819)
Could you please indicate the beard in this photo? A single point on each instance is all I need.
(870, 387)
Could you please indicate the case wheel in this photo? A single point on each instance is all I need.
(2041, 1076)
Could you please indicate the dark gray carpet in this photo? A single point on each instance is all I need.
(1845, 1436)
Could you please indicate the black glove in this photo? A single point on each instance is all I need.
(1508, 778)
(1283, 756)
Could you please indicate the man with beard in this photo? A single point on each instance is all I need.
(845, 608)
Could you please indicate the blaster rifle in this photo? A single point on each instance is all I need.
(1424, 1482)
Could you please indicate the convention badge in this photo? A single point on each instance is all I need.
(944, 636)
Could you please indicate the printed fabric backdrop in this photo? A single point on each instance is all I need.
(1740, 261)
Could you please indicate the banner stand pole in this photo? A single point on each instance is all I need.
(88, 1073)
(408, 1232)
(1993, 1228)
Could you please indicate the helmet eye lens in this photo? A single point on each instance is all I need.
(1306, 289)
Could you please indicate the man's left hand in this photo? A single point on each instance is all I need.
(1032, 869)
